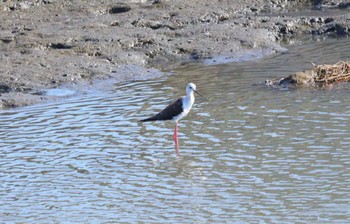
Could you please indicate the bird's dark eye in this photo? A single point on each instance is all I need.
(190, 87)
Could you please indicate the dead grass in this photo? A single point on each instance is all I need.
(332, 74)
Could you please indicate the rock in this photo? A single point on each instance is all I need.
(119, 8)
(4, 88)
(328, 20)
(332, 28)
(59, 46)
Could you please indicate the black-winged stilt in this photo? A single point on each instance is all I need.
(177, 110)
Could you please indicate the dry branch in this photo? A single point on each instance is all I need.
(319, 76)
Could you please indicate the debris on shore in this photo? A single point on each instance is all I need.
(320, 76)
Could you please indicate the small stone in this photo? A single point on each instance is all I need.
(59, 46)
(328, 20)
(115, 23)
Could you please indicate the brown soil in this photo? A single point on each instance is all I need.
(47, 43)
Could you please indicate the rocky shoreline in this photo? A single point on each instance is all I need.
(47, 43)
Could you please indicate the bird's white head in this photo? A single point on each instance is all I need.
(190, 88)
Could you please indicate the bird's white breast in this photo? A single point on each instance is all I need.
(187, 102)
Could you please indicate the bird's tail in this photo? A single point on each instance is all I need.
(148, 119)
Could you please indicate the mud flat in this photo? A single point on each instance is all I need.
(47, 43)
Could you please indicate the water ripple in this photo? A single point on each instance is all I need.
(250, 155)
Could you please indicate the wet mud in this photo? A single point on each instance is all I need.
(45, 44)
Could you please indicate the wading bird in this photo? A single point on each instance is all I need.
(177, 110)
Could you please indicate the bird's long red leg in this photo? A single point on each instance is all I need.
(176, 140)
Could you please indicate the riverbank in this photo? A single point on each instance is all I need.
(45, 44)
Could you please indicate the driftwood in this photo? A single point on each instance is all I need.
(320, 76)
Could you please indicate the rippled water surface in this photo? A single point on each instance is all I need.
(250, 154)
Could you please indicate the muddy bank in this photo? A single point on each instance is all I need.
(46, 43)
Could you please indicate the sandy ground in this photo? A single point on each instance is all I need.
(47, 43)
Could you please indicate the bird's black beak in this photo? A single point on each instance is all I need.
(200, 94)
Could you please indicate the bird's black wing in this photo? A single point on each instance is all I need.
(168, 113)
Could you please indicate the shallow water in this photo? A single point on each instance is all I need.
(250, 154)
